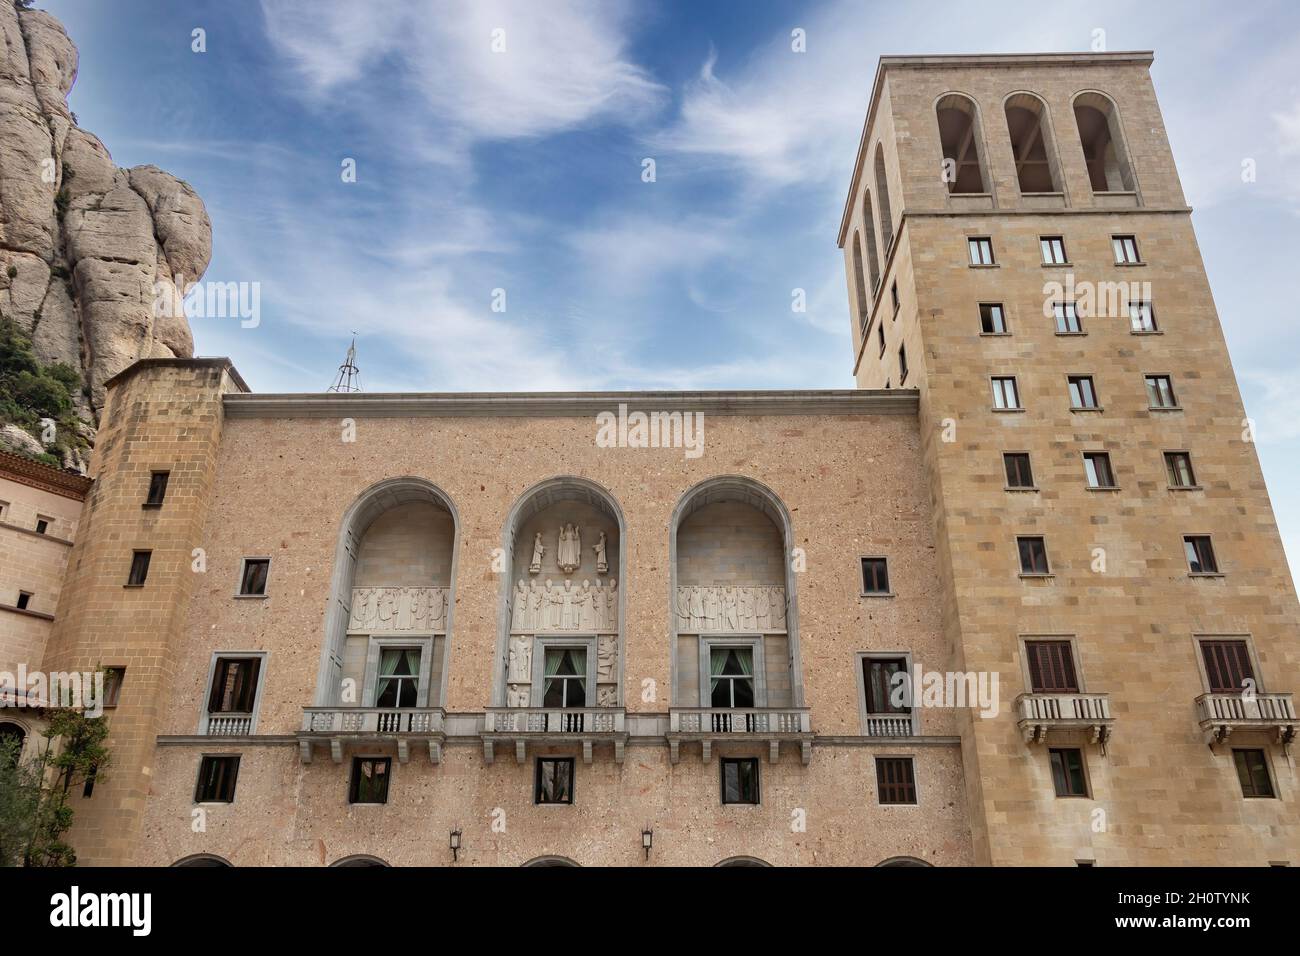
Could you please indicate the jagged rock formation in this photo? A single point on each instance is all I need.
(86, 248)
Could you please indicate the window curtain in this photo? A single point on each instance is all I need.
(746, 662)
(391, 664)
(551, 664)
(717, 660)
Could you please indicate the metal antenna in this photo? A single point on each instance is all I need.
(349, 377)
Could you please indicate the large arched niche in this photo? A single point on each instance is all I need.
(733, 534)
(392, 598)
(1101, 137)
(551, 613)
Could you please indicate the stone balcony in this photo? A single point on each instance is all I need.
(553, 726)
(890, 725)
(338, 726)
(1221, 714)
(717, 725)
(1041, 714)
(228, 725)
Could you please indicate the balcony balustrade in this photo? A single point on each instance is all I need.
(228, 725)
(1220, 714)
(1041, 714)
(712, 725)
(400, 726)
(551, 726)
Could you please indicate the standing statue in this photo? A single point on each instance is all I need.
(777, 603)
(602, 565)
(568, 554)
(745, 602)
(586, 616)
(569, 606)
(762, 612)
(683, 610)
(555, 606)
(539, 549)
(611, 605)
(536, 602)
(697, 609)
(519, 608)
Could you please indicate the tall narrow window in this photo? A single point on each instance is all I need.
(886, 692)
(42, 524)
(893, 297)
(1019, 473)
(234, 685)
(114, 677)
(895, 780)
(731, 677)
(880, 334)
(1227, 666)
(1160, 391)
(566, 677)
(1005, 393)
(1252, 771)
(740, 780)
(1178, 466)
(157, 488)
(1033, 555)
(1141, 317)
(1083, 394)
(882, 196)
(875, 576)
(1067, 319)
(399, 677)
(902, 365)
(1031, 145)
(553, 780)
(1051, 667)
(1053, 248)
(981, 250)
(252, 581)
(869, 237)
(217, 777)
(993, 320)
(369, 783)
(1097, 470)
(959, 139)
(1068, 775)
(1200, 554)
(139, 569)
(1126, 250)
(860, 280)
(1103, 144)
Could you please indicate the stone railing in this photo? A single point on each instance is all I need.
(1220, 714)
(553, 720)
(339, 725)
(228, 725)
(1042, 713)
(889, 725)
(710, 725)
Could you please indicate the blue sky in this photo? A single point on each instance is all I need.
(522, 171)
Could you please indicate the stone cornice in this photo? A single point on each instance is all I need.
(570, 404)
(141, 364)
(37, 474)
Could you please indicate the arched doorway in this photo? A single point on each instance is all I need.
(903, 861)
(742, 861)
(360, 859)
(12, 739)
(202, 860)
(550, 861)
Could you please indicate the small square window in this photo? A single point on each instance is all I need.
(370, 779)
(902, 365)
(993, 319)
(4, 511)
(1005, 393)
(1160, 391)
(139, 569)
(234, 685)
(981, 250)
(157, 488)
(1252, 771)
(1097, 470)
(1067, 772)
(1033, 555)
(875, 576)
(1067, 319)
(252, 581)
(1142, 317)
(1053, 250)
(1019, 472)
(1200, 554)
(217, 775)
(113, 678)
(554, 780)
(740, 780)
(895, 780)
(1051, 667)
(1083, 393)
(24, 600)
(1126, 250)
(1178, 466)
(42, 524)
(893, 295)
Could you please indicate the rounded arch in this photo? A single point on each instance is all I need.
(869, 237)
(550, 861)
(14, 730)
(369, 505)
(358, 859)
(961, 141)
(882, 197)
(860, 280)
(904, 861)
(530, 503)
(203, 860)
(1101, 137)
(738, 488)
(742, 861)
(1033, 143)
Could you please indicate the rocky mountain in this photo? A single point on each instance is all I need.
(86, 248)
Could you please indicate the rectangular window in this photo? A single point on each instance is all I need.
(217, 775)
(1019, 473)
(740, 780)
(398, 682)
(1160, 391)
(893, 295)
(1067, 319)
(1141, 317)
(553, 781)
(1053, 250)
(1096, 467)
(1083, 394)
(879, 683)
(113, 679)
(1033, 555)
(895, 780)
(1178, 466)
(1126, 250)
(1051, 667)
(1200, 554)
(981, 251)
(88, 787)
(4, 511)
(24, 600)
(157, 488)
(1227, 666)
(731, 677)
(1005, 393)
(1252, 771)
(369, 782)
(1067, 772)
(252, 581)
(875, 576)
(566, 677)
(234, 685)
(993, 320)
(880, 335)
(902, 365)
(139, 569)
(42, 524)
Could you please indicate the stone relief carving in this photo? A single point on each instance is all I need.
(377, 610)
(563, 607)
(539, 549)
(602, 564)
(606, 659)
(568, 554)
(517, 695)
(606, 695)
(701, 609)
(521, 659)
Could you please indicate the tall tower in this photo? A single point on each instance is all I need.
(1019, 250)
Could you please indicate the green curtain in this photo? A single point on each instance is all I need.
(746, 662)
(717, 660)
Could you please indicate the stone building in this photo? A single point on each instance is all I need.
(511, 628)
